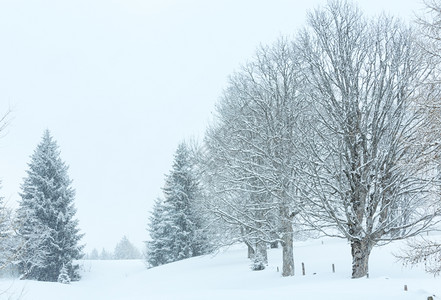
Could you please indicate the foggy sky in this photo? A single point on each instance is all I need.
(119, 83)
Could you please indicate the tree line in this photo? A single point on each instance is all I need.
(333, 132)
(124, 249)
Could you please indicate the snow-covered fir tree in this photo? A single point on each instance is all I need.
(175, 227)
(46, 215)
(64, 276)
(158, 250)
(94, 254)
(106, 255)
(126, 250)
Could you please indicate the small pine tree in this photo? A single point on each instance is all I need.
(46, 217)
(64, 276)
(105, 255)
(94, 254)
(126, 250)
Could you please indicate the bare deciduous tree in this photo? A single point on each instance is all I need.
(7, 231)
(425, 250)
(363, 176)
(430, 27)
(254, 144)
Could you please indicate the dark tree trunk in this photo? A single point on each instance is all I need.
(287, 249)
(360, 258)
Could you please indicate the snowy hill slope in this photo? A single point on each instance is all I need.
(228, 276)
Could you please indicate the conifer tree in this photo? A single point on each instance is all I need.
(64, 276)
(158, 249)
(47, 217)
(126, 250)
(105, 255)
(94, 254)
(180, 190)
(175, 227)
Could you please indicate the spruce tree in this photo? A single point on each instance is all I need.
(94, 254)
(105, 255)
(63, 277)
(126, 250)
(175, 226)
(158, 249)
(179, 191)
(46, 216)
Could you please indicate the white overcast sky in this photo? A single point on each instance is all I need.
(119, 83)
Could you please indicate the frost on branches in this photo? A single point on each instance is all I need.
(46, 216)
(425, 252)
(252, 151)
(369, 174)
(8, 243)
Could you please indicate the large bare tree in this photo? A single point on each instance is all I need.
(364, 178)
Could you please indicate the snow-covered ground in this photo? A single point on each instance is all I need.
(227, 276)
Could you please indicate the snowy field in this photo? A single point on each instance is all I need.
(227, 276)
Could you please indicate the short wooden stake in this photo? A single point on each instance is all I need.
(333, 268)
(277, 269)
(405, 287)
(303, 269)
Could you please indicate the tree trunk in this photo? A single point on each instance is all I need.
(287, 249)
(250, 250)
(360, 258)
(261, 252)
